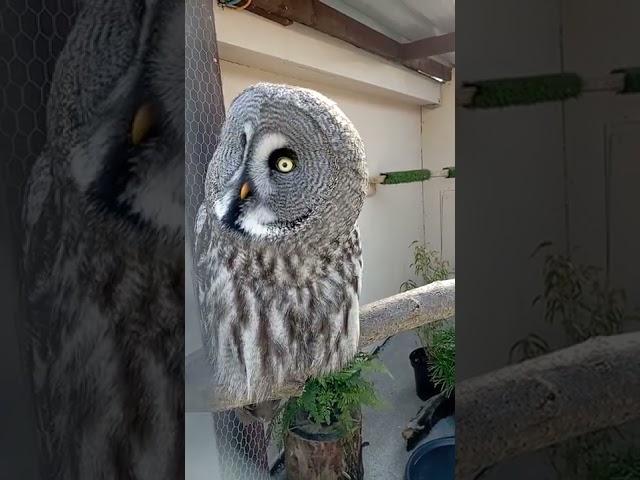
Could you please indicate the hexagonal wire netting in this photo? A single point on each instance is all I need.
(242, 449)
(32, 34)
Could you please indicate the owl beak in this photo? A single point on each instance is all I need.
(245, 190)
(142, 123)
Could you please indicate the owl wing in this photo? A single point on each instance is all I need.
(42, 245)
(37, 197)
(203, 258)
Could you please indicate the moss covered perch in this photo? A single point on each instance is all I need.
(544, 88)
(408, 176)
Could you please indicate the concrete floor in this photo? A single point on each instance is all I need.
(385, 457)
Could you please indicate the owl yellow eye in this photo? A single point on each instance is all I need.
(283, 160)
(285, 164)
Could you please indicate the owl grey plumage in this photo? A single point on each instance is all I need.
(278, 253)
(104, 248)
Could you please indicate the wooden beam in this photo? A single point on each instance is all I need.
(429, 67)
(378, 320)
(428, 47)
(321, 17)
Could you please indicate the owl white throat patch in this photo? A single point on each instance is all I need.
(252, 217)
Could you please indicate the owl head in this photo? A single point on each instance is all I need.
(115, 123)
(290, 167)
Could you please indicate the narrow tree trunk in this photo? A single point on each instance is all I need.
(321, 456)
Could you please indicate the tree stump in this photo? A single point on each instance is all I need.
(323, 454)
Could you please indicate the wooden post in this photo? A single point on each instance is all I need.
(323, 456)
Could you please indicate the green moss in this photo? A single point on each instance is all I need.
(451, 172)
(631, 79)
(408, 176)
(525, 90)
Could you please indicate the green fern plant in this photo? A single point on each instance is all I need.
(334, 399)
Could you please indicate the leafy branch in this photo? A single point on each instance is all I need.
(427, 266)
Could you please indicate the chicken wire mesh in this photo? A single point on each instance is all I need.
(32, 34)
(242, 447)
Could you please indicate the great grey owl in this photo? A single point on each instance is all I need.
(278, 253)
(104, 248)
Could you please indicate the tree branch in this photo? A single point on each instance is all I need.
(547, 400)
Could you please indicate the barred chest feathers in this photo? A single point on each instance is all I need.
(279, 317)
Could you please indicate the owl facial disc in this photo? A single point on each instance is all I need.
(289, 168)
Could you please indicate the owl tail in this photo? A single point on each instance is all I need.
(263, 411)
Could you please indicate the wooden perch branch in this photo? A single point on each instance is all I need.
(378, 320)
(406, 311)
(547, 400)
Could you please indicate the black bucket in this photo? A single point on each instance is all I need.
(434, 460)
(425, 388)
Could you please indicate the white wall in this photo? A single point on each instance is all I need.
(391, 131)
(301, 52)
(438, 152)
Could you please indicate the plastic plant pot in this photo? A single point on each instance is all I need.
(433, 460)
(425, 388)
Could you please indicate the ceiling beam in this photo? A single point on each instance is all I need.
(430, 67)
(428, 47)
(321, 17)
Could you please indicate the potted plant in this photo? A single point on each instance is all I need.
(321, 429)
(434, 454)
(428, 267)
(434, 363)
